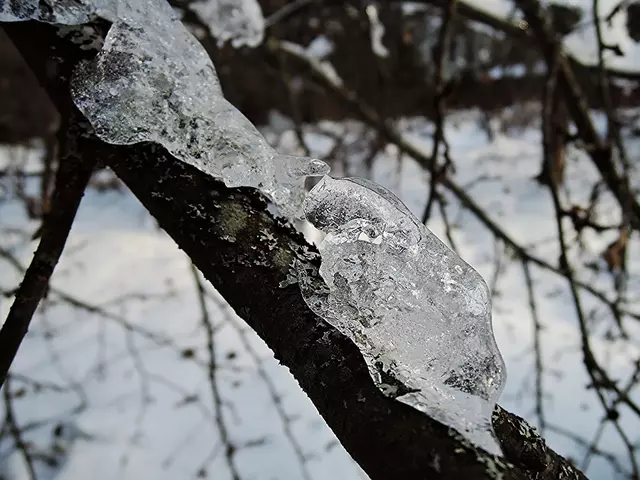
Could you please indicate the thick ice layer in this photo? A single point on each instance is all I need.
(418, 313)
(238, 21)
(64, 12)
(153, 81)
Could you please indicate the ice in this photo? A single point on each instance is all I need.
(418, 313)
(153, 81)
(239, 21)
(64, 12)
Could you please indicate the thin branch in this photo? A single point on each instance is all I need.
(599, 378)
(71, 180)
(598, 150)
(229, 448)
(286, 11)
(16, 432)
(262, 372)
(537, 349)
(609, 457)
(519, 31)
(440, 55)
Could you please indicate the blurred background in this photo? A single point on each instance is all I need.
(134, 367)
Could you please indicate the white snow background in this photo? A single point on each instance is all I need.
(135, 408)
(143, 411)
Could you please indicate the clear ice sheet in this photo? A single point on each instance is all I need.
(153, 81)
(419, 314)
(238, 21)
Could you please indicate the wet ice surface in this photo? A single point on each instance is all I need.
(153, 81)
(238, 21)
(66, 12)
(418, 313)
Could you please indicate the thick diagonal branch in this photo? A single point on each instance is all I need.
(247, 255)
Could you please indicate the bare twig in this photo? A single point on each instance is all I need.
(537, 349)
(519, 31)
(71, 180)
(370, 117)
(599, 151)
(229, 448)
(609, 457)
(275, 396)
(16, 432)
(440, 55)
(599, 378)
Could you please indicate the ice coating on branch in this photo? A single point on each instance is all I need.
(419, 314)
(238, 21)
(64, 12)
(153, 81)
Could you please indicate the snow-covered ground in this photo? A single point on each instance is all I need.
(126, 371)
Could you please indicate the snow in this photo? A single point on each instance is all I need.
(320, 47)
(376, 32)
(239, 21)
(411, 8)
(416, 311)
(117, 259)
(315, 56)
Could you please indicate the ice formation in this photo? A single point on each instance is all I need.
(153, 81)
(239, 21)
(63, 12)
(418, 313)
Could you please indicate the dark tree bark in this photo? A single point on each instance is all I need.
(246, 254)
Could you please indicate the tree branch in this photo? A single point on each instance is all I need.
(600, 151)
(520, 32)
(72, 178)
(247, 254)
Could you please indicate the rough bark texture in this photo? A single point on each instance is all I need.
(246, 254)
